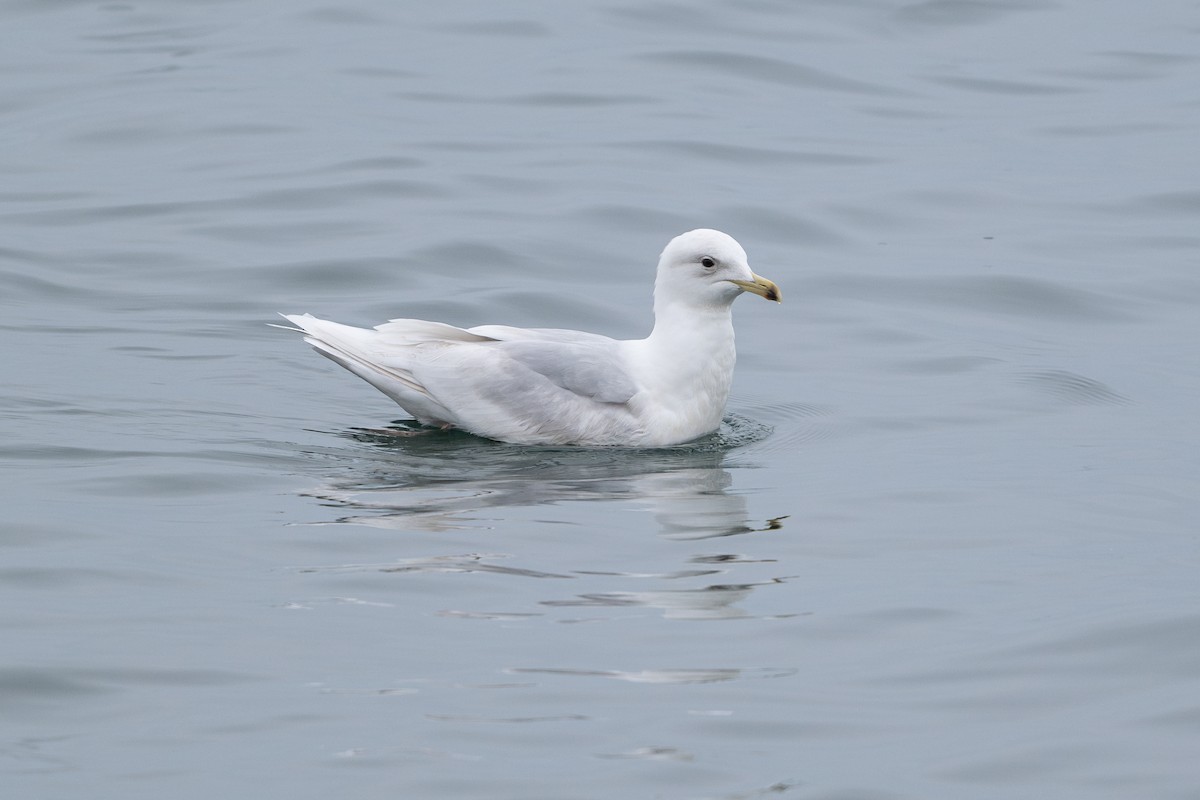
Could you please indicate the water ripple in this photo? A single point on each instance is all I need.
(998, 86)
(999, 294)
(471, 562)
(966, 12)
(520, 28)
(662, 676)
(740, 154)
(1072, 388)
(769, 70)
(713, 602)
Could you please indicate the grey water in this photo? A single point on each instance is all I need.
(946, 544)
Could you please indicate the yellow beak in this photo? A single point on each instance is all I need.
(761, 287)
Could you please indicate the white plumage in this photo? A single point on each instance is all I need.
(548, 386)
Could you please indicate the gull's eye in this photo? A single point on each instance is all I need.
(708, 262)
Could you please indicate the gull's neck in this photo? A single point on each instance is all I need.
(687, 363)
(684, 326)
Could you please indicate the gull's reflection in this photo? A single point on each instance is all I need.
(708, 602)
(411, 480)
(414, 480)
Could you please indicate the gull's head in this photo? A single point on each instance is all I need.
(707, 268)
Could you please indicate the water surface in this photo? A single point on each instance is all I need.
(944, 546)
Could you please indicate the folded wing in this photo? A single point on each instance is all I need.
(505, 383)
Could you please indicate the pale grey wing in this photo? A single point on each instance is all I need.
(532, 391)
(380, 357)
(594, 370)
(507, 333)
(412, 331)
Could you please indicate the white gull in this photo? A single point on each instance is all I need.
(550, 386)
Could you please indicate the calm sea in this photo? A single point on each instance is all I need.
(945, 546)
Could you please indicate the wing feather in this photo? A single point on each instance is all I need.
(591, 370)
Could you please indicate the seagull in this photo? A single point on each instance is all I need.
(544, 386)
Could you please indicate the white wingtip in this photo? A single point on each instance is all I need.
(292, 318)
